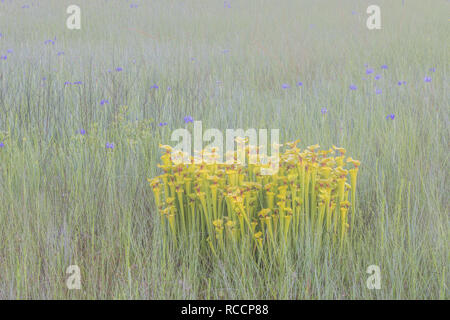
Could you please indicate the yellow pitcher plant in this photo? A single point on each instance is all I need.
(234, 206)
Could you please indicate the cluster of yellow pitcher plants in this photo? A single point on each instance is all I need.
(228, 206)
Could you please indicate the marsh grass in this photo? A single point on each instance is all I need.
(66, 199)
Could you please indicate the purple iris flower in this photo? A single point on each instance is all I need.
(2, 144)
(118, 69)
(154, 87)
(162, 124)
(427, 79)
(188, 119)
(82, 132)
(285, 86)
(4, 57)
(67, 83)
(60, 53)
(110, 145)
(369, 71)
(384, 66)
(378, 77)
(352, 87)
(433, 69)
(299, 83)
(77, 82)
(378, 91)
(323, 110)
(103, 102)
(390, 116)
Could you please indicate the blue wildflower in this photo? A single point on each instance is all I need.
(352, 87)
(82, 132)
(384, 66)
(188, 119)
(4, 57)
(433, 69)
(118, 69)
(299, 83)
(154, 87)
(103, 102)
(323, 110)
(377, 77)
(77, 82)
(110, 145)
(390, 116)
(162, 124)
(2, 144)
(378, 91)
(285, 86)
(427, 79)
(369, 71)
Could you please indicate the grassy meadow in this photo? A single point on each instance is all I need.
(82, 114)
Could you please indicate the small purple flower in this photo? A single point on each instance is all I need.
(82, 132)
(369, 71)
(4, 57)
(154, 87)
(77, 82)
(378, 77)
(352, 87)
(188, 119)
(49, 42)
(169, 88)
(133, 5)
(67, 83)
(390, 116)
(110, 145)
(399, 83)
(162, 124)
(2, 144)
(9, 51)
(118, 69)
(433, 69)
(60, 53)
(299, 83)
(323, 110)
(378, 91)
(384, 67)
(285, 86)
(427, 79)
(103, 102)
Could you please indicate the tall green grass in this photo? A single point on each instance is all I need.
(66, 199)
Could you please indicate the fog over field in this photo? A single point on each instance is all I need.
(83, 113)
